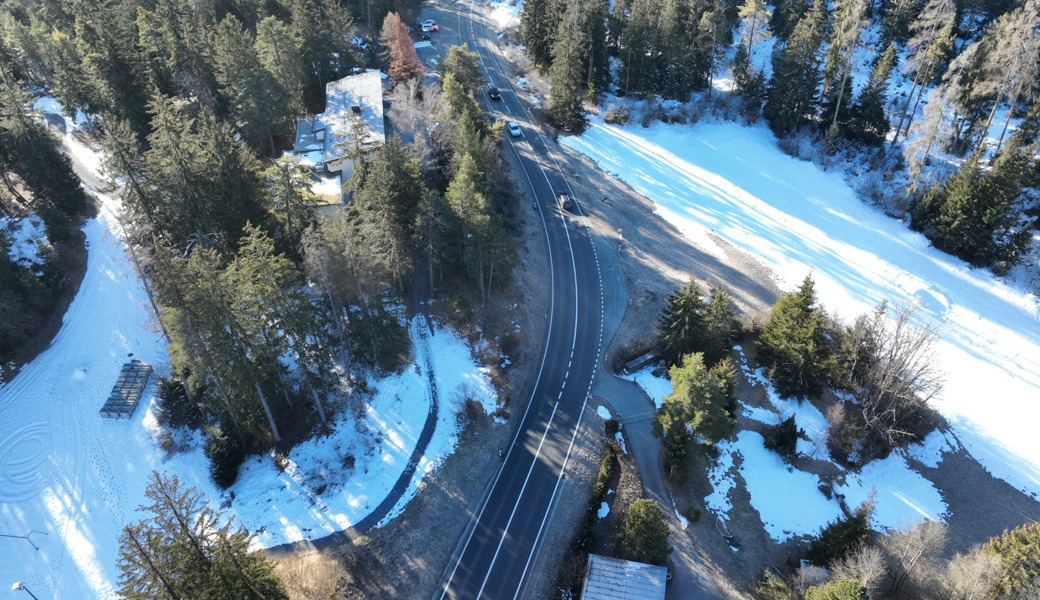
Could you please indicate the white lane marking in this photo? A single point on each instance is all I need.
(519, 496)
(559, 478)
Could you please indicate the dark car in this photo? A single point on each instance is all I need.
(566, 203)
(493, 93)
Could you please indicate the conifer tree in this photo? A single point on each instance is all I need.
(644, 536)
(868, 121)
(682, 328)
(790, 100)
(565, 75)
(842, 536)
(434, 224)
(792, 345)
(184, 549)
(538, 23)
(403, 63)
(461, 64)
(786, 14)
(1019, 552)
(280, 56)
(701, 402)
(755, 17)
(719, 325)
(290, 197)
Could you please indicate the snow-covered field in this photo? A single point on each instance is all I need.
(74, 479)
(734, 182)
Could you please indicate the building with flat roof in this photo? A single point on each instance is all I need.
(325, 139)
(609, 578)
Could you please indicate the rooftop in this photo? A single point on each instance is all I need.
(616, 579)
(359, 96)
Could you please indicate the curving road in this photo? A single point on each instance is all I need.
(500, 545)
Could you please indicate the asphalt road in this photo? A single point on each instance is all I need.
(498, 549)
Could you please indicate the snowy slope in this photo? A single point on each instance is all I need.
(733, 181)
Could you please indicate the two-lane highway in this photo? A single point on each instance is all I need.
(495, 556)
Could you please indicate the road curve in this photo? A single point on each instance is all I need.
(498, 549)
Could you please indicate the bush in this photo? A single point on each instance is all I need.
(617, 113)
(842, 537)
(644, 537)
(783, 438)
(843, 589)
(225, 456)
(611, 426)
(693, 513)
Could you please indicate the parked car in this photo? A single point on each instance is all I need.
(493, 93)
(429, 25)
(514, 129)
(565, 201)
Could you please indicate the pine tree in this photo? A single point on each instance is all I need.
(565, 75)
(1019, 553)
(290, 198)
(278, 53)
(461, 64)
(701, 402)
(868, 121)
(259, 103)
(719, 325)
(790, 100)
(182, 550)
(434, 224)
(842, 536)
(792, 345)
(785, 17)
(404, 64)
(755, 16)
(538, 21)
(644, 536)
(682, 328)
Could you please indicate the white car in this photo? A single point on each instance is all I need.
(429, 25)
(514, 129)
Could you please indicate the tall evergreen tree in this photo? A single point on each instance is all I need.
(868, 122)
(719, 320)
(279, 54)
(790, 100)
(184, 549)
(644, 536)
(682, 328)
(792, 345)
(259, 103)
(565, 75)
(461, 64)
(1019, 552)
(538, 24)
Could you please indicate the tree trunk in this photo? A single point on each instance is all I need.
(267, 411)
(902, 117)
(837, 107)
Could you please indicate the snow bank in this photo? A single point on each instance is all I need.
(655, 386)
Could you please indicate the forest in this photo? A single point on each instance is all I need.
(937, 95)
(270, 311)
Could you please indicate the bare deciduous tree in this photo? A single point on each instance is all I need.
(971, 576)
(866, 565)
(893, 373)
(909, 547)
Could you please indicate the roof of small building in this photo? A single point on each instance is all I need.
(359, 96)
(617, 579)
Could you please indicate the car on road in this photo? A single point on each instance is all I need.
(493, 92)
(514, 129)
(565, 201)
(429, 25)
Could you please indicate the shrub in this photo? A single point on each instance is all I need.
(611, 426)
(644, 537)
(783, 438)
(617, 113)
(843, 589)
(842, 537)
(225, 456)
(693, 513)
